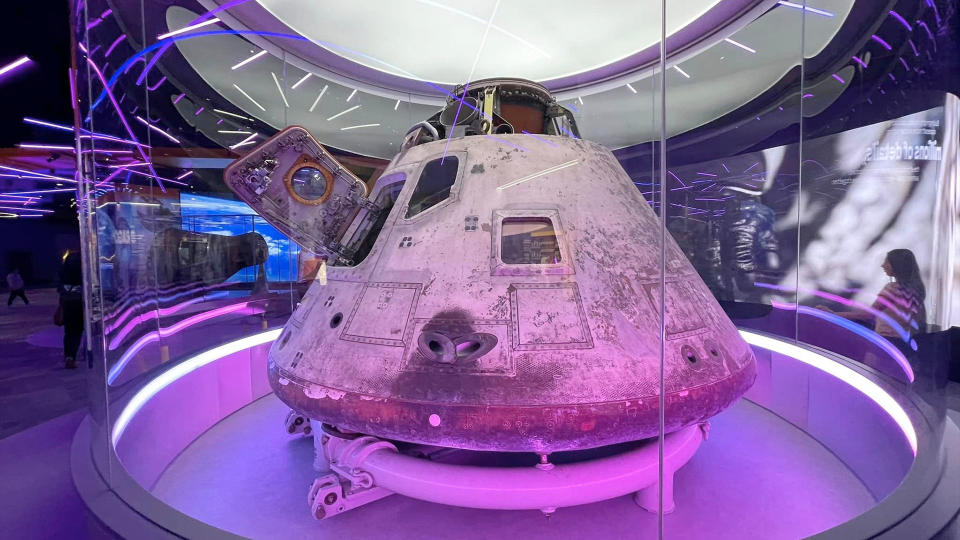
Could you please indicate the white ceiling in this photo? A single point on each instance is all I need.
(439, 40)
(722, 75)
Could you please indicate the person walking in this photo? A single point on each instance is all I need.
(70, 309)
(15, 282)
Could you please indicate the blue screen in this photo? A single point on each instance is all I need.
(216, 215)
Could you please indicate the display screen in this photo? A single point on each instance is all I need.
(217, 215)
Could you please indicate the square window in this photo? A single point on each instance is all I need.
(529, 240)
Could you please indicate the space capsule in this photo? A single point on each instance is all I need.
(499, 288)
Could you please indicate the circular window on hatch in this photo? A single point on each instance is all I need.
(309, 183)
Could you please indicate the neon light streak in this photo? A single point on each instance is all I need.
(903, 21)
(125, 165)
(188, 28)
(189, 288)
(234, 132)
(235, 115)
(181, 370)
(39, 191)
(528, 134)
(341, 113)
(167, 332)
(631, 88)
(158, 178)
(844, 301)
(322, 92)
(795, 5)
(246, 95)
(882, 43)
(159, 83)
(38, 175)
(741, 45)
(351, 95)
(864, 385)
(248, 60)
(123, 118)
(114, 45)
(855, 328)
(30, 209)
(859, 61)
(549, 170)
(44, 123)
(248, 140)
(158, 130)
(13, 65)
(360, 126)
(279, 89)
(184, 175)
(301, 81)
(837, 77)
(456, 117)
(46, 147)
(680, 71)
(396, 105)
(155, 314)
(501, 141)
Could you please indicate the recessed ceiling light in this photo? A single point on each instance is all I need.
(246, 95)
(322, 92)
(189, 28)
(301, 81)
(341, 113)
(248, 60)
(279, 89)
(360, 126)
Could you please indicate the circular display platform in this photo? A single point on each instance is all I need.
(757, 476)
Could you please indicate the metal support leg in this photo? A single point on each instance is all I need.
(647, 497)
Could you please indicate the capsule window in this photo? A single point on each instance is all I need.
(434, 184)
(529, 240)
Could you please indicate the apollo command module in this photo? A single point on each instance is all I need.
(498, 289)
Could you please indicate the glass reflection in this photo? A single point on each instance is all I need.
(309, 183)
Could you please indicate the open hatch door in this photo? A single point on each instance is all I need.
(302, 190)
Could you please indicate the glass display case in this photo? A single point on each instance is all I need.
(475, 263)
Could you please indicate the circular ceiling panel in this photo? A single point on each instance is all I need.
(449, 42)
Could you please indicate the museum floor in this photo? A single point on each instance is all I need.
(41, 405)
